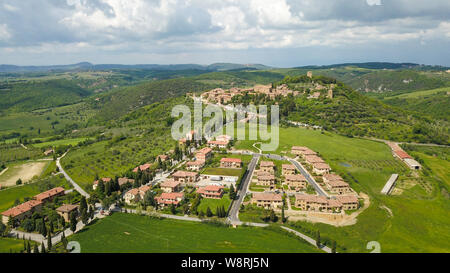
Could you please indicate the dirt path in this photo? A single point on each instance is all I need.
(4, 171)
(25, 172)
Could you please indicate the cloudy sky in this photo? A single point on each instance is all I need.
(273, 32)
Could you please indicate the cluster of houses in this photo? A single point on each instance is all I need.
(27, 209)
(317, 163)
(223, 96)
(399, 153)
(173, 187)
(307, 202)
(343, 197)
(334, 183)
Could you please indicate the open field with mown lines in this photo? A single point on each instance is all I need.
(132, 233)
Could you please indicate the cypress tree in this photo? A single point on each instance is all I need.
(209, 212)
(42, 248)
(333, 247)
(28, 247)
(36, 248)
(44, 228)
(318, 239)
(49, 241)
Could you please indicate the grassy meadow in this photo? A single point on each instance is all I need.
(132, 233)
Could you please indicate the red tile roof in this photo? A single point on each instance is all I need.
(142, 167)
(402, 154)
(184, 174)
(49, 193)
(22, 208)
(267, 196)
(170, 183)
(228, 159)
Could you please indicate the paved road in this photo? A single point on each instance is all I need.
(307, 238)
(234, 210)
(308, 177)
(75, 185)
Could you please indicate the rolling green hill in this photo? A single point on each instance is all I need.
(434, 103)
(32, 95)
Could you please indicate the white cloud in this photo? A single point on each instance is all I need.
(159, 26)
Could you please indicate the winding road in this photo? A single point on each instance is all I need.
(68, 178)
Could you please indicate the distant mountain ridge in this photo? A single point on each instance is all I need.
(5, 68)
(378, 65)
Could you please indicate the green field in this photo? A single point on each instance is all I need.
(10, 195)
(214, 203)
(72, 141)
(417, 94)
(8, 245)
(131, 233)
(420, 221)
(222, 171)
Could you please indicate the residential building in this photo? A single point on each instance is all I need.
(195, 165)
(125, 180)
(49, 195)
(296, 181)
(166, 199)
(144, 168)
(267, 166)
(170, 185)
(287, 169)
(336, 184)
(67, 209)
(321, 168)
(267, 200)
(265, 180)
(221, 144)
(162, 157)
(349, 202)
(317, 203)
(302, 151)
(185, 177)
(22, 211)
(211, 191)
(204, 154)
(104, 179)
(311, 159)
(136, 194)
(230, 162)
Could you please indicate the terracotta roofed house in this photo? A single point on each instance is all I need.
(104, 179)
(287, 169)
(267, 166)
(21, 211)
(222, 144)
(267, 200)
(349, 202)
(136, 194)
(204, 154)
(169, 198)
(65, 211)
(185, 177)
(265, 179)
(195, 165)
(321, 168)
(211, 191)
(230, 162)
(50, 194)
(144, 168)
(310, 159)
(296, 181)
(170, 185)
